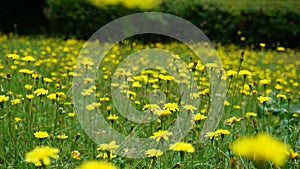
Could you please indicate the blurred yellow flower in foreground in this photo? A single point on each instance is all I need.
(97, 165)
(41, 155)
(261, 148)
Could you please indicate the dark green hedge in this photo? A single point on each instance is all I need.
(80, 18)
(277, 25)
(272, 22)
(217, 22)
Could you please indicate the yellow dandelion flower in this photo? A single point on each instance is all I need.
(131, 95)
(102, 155)
(75, 154)
(263, 99)
(136, 84)
(18, 119)
(264, 82)
(189, 108)
(281, 96)
(104, 99)
(40, 92)
(182, 146)
(28, 58)
(47, 80)
(92, 106)
(194, 95)
(237, 107)
(108, 147)
(204, 92)
(35, 75)
(42, 155)
(9, 93)
(97, 165)
(160, 112)
(262, 45)
(293, 155)
(28, 87)
(278, 87)
(112, 117)
(211, 135)
(87, 92)
(251, 114)
(30, 96)
(3, 98)
(68, 103)
(52, 96)
(233, 120)
(217, 133)
(161, 135)
(171, 106)
(41, 134)
(62, 137)
(222, 132)
(108, 108)
(150, 106)
(166, 78)
(153, 153)
(71, 114)
(13, 56)
(231, 73)
(261, 148)
(87, 80)
(199, 117)
(26, 71)
(57, 85)
(280, 48)
(245, 73)
(155, 86)
(203, 111)
(16, 101)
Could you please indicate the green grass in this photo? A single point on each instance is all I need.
(55, 59)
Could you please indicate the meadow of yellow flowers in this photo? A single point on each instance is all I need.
(39, 125)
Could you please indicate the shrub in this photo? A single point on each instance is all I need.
(80, 18)
(272, 23)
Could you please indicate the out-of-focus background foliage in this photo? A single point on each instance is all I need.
(271, 22)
